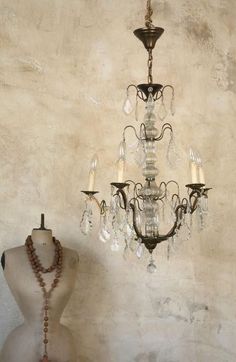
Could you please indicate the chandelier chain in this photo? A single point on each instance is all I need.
(148, 16)
(150, 58)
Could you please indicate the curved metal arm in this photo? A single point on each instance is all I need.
(163, 129)
(168, 86)
(133, 128)
(123, 197)
(138, 233)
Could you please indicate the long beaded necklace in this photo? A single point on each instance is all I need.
(38, 270)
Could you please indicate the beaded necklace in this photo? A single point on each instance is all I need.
(38, 270)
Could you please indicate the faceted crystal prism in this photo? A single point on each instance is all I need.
(172, 106)
(162, 112)
(86, 222)
(151, 268)
(172, 154)
(127, 107)
(139, 251)
(115, 246)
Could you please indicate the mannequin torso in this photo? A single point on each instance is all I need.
(24, 344)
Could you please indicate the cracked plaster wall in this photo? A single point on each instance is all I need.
(64, 68)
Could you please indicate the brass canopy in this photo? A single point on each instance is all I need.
(149, 36)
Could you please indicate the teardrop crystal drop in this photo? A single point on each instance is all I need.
(172, 154)
(162, 112)
(151, 268)
(172, 106)
(133, 244)
(86, 223)
(127, 107)
(115, 246)
(101, 237)
(104, 234)
(139, 251)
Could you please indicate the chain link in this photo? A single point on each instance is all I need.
(150, 58)
(148, 16)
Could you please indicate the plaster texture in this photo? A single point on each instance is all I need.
(64, 68)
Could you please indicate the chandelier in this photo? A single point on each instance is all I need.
(144, 214)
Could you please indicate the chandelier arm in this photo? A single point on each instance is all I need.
(122, 195)
(196, 195)
(173, 182)
(164, 195)
(175, 196)
(136, 188)
(130, 86)
(185, 200)
(172, 231)
(143, 127)
(163, 129)
(129, 181)
(138, 233)
(103, 207)
(137, 201)
(168, 86)
(133, 128)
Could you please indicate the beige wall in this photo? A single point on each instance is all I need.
(64, 67)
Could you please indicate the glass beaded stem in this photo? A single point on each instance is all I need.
(38, 270)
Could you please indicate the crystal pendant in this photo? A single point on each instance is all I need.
(139, 251)
(104, 234)
(184, 230)
(162, 112)
(204, 205)
(86, 220)
(151, 268)
(115, 246)
(201, 217)
(169, 216)
(126, 251)
(172, 154)
(127, 107)
(133, 244)
(172, 106)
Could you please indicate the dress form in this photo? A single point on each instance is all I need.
(24, 344)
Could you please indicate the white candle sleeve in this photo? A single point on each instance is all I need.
(201, 175)
(91, 180)
(121, 169)
(193, 168)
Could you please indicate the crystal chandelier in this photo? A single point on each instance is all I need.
(142, 215)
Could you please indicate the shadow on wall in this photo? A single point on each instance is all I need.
(144, 357)
(90, 309)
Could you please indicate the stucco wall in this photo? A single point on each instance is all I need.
(64, 68)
